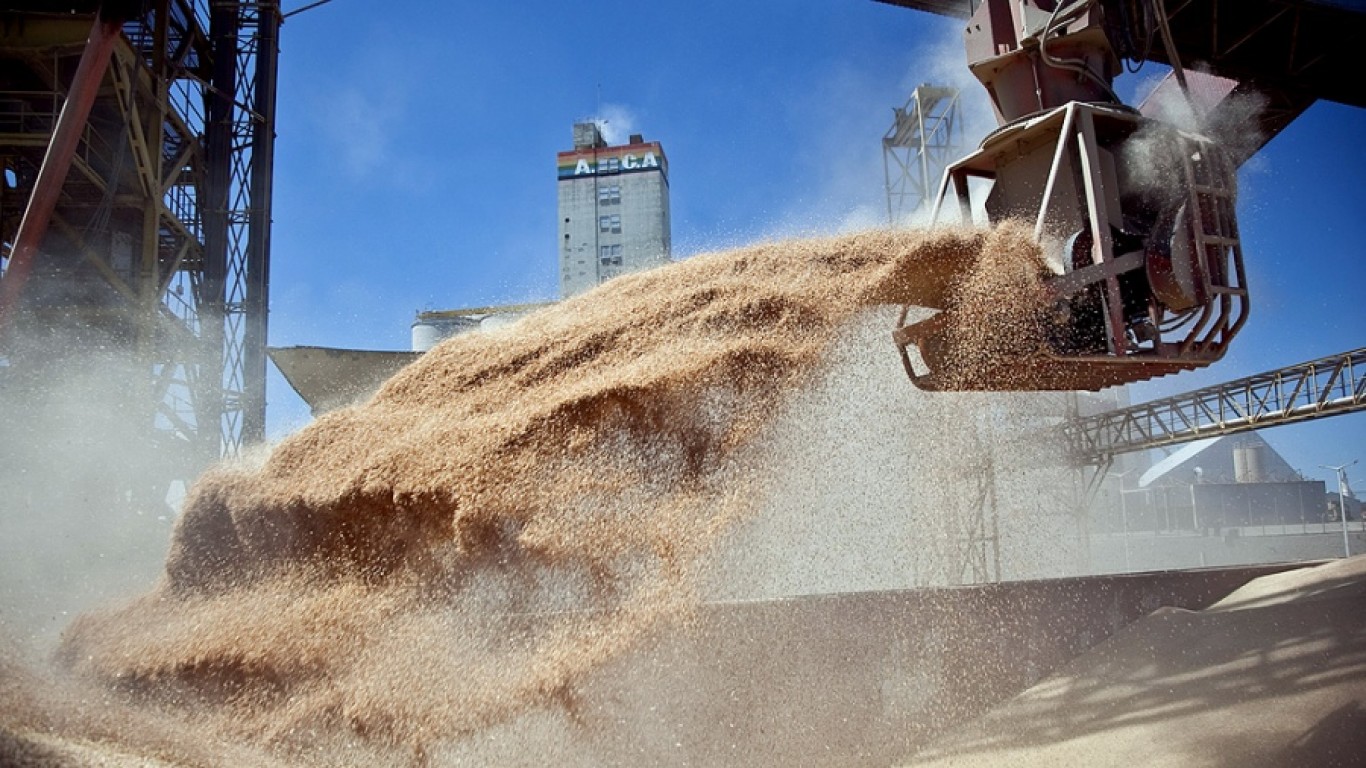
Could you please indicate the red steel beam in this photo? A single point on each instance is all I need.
(61, 149)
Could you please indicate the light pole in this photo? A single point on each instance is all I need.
(1342, 502)
(1124, 515)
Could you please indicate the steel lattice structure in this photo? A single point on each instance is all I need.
(156, 261)
(926, 135)
(1316, 389)
(240, 139)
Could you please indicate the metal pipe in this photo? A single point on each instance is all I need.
(61, 148)
(939, 198)
(1069, 112)
(1174, 58)
(1342, 504)
(925, 181)
(1074, 65)
(308, 7)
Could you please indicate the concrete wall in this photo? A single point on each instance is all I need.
(1147, 551)
(578, 244)
(646, 236)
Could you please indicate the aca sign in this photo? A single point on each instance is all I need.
(627, 162)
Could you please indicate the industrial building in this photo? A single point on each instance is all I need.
(613, 209)
(614, 219)
(1225, 482)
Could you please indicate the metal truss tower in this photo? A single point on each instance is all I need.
(152, 276)
(240, 141)
(926, 135)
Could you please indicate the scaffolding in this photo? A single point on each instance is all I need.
(156, 260)
(926, 135)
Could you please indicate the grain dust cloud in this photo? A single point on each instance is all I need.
(406, 579)
(82, 517)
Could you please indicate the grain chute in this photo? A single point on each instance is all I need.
(1135, 215)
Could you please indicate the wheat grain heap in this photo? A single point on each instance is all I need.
(505, 515)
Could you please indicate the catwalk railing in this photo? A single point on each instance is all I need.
(1325, 387)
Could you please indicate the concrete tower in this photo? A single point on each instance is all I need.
(613, 209)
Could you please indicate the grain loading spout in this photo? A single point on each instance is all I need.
(1135, 216)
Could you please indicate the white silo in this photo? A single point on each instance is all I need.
(431, 328)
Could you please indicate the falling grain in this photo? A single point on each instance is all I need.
(512, 511)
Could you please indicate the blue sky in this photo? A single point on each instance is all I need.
(415, 163)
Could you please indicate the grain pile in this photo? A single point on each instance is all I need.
(505, 516)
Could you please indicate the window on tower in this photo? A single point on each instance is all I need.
(610, 223)
(609, 255)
